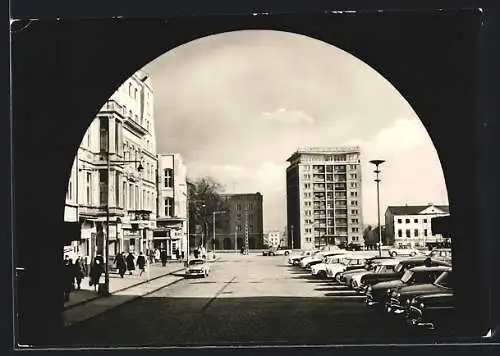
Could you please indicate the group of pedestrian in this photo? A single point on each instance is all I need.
(73, 273)
(128, 263)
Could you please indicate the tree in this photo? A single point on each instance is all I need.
(371, 236)
(205, 197)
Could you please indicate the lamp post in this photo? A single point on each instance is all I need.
(140, 168)
(213, 226)
(378, 162)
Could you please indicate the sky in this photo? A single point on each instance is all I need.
(236, 105)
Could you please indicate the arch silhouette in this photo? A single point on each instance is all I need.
(74, 66)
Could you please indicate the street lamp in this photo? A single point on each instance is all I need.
(213, 215)
(378, 162)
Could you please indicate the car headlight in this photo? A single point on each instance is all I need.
(422, 305)
(389, 292)
(408, 301)
(414, 301)
(369, 288)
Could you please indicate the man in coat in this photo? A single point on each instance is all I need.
(130, 263)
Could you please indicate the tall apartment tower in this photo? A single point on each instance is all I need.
(324, 197)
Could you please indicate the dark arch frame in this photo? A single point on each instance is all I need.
(62, 74)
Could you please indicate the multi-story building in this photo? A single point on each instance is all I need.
(273, 239)
(114, 174)
(171, 231)
(245, 213)
(410, 225)
(324, 197)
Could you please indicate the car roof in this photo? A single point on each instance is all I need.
(432, 268)
(388, 262)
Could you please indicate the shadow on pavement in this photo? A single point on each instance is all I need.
(168, 321)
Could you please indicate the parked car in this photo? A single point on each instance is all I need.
(197, 267)
(416, 275)
(282, 251)
(269, 252)
(399, 270)
(295, 259)
(403, 251)
(319, 270)
(441, 254)
(318, 258)
(386, 266)
(401, 297)
(431, 311)
(370, 264)
(349, 262)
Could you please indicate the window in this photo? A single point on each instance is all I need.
(118, 138)
(103, 132)
(89, 140)
(250, 228)
(355, 229)
(169, 182)
(137, 198)
(354, 202)
(69, 194)
(400, 233)
(354, 221)
(250, 206)
(88, 188)
(169, 207)
(117, 188)
(240, 228)
(135, 93)
(354, 194)
(103, 187)
(415, 232)
(425, 220)
(124, 200)
(238, 207)
(407, 221)
(307, 186)
(354, 176)
(354, 185)
(415, 221)
(400, 221)
(408, 233)
(130, 89)
(425, 232)
(354, 211)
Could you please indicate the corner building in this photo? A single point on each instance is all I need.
(324, 197)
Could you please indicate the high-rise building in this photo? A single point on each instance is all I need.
(114, 173)
(171, 231)
(245, 216)
(324, 197)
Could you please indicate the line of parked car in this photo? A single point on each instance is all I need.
(417, 288)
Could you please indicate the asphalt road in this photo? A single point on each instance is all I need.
(246, 300)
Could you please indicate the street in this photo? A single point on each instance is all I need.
(246, 300)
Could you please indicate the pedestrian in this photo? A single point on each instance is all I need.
(177, 254)
(121, 265)
(68, 277)
(130, 263)
(141, 263)
(157, 255)
(79, 271)
(242, 250)
(196, 253)
(96, 270)
(182, 255)
(163, 256)
(151, 255)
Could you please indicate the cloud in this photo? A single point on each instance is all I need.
(288, 116)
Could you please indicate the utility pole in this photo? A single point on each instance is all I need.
(246, 229)
(236, 238)
(291, 229)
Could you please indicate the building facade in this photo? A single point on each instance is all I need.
(114, 174)
(274, 239)
(245, 214)
(324, 202)
(410, 226)
(171, 223)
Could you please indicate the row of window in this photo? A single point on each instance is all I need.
(309, 230)
(330, 186)
(239, 206)
(416, 233)
(407, 221)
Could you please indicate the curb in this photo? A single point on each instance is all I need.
(133, 298)
(119, 290)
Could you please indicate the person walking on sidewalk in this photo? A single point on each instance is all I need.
(96, 269)
(157, 255)
(121, 265)
(68, 277)
(79, 271)
(141, 263)
(130, 263)
(163, 256)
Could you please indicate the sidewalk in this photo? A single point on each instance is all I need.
(117, 284)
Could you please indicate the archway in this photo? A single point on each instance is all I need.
(442, 106)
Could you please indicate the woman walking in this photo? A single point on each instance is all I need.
(130, 263)
(121, 265)
(96, 270)
(79, 269)
(141, 263)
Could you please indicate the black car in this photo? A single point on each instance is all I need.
(417, 275)
(431, 311)
(370, 264)
(399, 270)
(400, 298)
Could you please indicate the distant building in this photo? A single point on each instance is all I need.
(410, 225)
(171, 222)
(273, 239)
(244, 209)
(324, 202)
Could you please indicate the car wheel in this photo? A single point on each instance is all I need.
(322, 274)
(287, 253)
(394, 253)
(337, 277)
